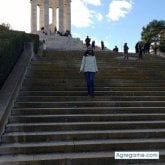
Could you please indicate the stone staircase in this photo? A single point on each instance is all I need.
(54, 122)
(56, 42)
(64, 43)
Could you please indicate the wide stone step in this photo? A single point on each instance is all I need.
(55, 68)
(22, 137)
(83, 146)
(100, 59)
(115, 67)
(70, 88)
(86, 118)
(126, 77)
(70, 126)
(89, 104)
(100, 83)
(88, 110)
(107, 81)
(84, 98)
(97, 93)
(105, 70)
(73, 74)
(81, 158)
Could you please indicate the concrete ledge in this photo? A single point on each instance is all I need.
(12, 85)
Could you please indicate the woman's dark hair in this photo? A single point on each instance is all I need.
(91, 52)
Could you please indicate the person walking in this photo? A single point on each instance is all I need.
(102, 45)
(44, 45)
(137, 47)
(141, 50)
(93, 45)
(126, 51)
(89, 67)
(87, 41)
(116, 49)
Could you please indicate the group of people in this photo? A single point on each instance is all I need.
(89, 65)
(64, 33)
(88, 40)
(142, 48)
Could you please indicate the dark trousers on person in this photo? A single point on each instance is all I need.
(140, 54)
(90, 77)
(125, 56)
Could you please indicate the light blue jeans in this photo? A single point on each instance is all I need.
(90, 77)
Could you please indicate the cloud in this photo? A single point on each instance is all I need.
(93, 2)
(99, 16)
(119, 8)
(82, 16)
(11, 14)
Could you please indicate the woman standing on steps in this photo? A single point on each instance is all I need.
(89, 67)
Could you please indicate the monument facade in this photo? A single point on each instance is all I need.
(64, 15)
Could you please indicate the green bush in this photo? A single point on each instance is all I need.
(33, 38)
(11, 47)
(3, 27)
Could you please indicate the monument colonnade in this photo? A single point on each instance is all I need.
(64, 15)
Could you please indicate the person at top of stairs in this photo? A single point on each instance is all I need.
(89, 66)
(126, 48)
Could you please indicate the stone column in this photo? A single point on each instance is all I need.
(68, 15)
(46, 16)
(61, 15)
(41, 16)
(34, 16)
(65, 15)
(54, 17)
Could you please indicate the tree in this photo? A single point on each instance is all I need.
(152, 32)
(5, 26)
